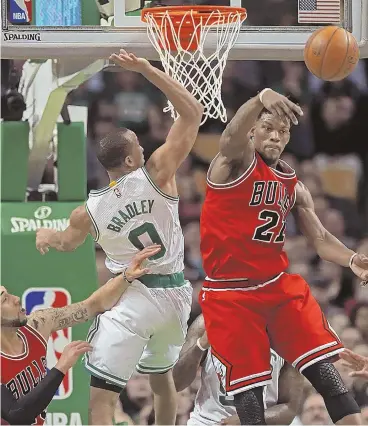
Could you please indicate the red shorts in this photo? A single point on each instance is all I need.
(242, 324)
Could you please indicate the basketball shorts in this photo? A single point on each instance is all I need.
(144, 331)
(242, 324)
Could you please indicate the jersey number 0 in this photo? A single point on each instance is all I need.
(149, 229)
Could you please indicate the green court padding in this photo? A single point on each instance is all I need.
(72, 162)
(14, 160)
(90, 13)
(23, 268)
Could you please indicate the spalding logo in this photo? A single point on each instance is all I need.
(22, 36)
(42, 212)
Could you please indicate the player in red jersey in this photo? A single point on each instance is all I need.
(247, 295)
(24, 339)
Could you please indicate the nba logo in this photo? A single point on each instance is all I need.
(20, 11)
(117, 192)
(43, 298)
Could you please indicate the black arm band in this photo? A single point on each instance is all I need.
(24, 410)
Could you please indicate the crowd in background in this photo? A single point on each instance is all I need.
(328, 149)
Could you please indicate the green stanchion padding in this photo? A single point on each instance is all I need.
(90, 13)
(71, 162)
(14, 160)
(50, 280)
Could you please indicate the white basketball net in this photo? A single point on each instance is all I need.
(200, 74)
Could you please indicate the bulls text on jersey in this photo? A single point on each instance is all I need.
(27, 379)
(270, 193)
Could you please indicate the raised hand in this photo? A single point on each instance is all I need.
(71, 353)
(358, 363)
(42, 239)
(129, 61)
(359, 266)
(280, 106)
(135, 270)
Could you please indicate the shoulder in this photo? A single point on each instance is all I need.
(39, 323)
(95, 195)
(158, 177)
(224, 171)
(303, 197)
(162, 184)
(300, 187)
(36, 328)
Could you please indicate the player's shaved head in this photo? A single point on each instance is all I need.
(114, 148)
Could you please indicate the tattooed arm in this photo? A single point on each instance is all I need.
(48, 320)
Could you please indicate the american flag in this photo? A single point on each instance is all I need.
(319, 11)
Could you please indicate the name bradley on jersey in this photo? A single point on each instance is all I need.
(136, 208)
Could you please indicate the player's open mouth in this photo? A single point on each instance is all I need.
(22, 311)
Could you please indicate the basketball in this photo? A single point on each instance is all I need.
(331, 53)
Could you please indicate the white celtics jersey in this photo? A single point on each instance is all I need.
(212, 405)
(133, 214)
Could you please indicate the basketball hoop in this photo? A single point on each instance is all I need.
(179, 35)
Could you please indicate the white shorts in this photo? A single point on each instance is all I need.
(198, 422)
(144, 331)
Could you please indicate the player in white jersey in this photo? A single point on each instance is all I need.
(147, 328)
(282, 397)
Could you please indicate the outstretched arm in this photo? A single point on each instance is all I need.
(191, 355)
(165, 161)
(326, 245)
(23, 411)
(234, 142)
(48, 320)
(73, 236)
(235, 146)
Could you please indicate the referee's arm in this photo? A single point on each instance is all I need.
(24, 410)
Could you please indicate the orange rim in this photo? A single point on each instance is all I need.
(210, 14)
(186, 22)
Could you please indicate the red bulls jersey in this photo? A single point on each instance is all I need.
(23, 372)
(243, 223)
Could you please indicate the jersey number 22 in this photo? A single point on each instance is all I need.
(266, 232)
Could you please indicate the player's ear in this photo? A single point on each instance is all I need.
(129, 161)
(251, 134)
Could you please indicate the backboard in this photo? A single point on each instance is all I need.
(274, 29)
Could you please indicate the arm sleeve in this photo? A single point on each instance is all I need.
(24, 410)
